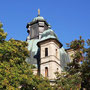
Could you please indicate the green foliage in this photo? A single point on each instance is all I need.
(65, 81)
(75, 67)
(2, 34)
(15, 73)
(78, 47)
(76, 74)
(77, 44)
(13, 51)
(85, 68)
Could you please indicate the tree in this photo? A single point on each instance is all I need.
(71, 78)
(78, 47)
(65, 81)
(15, 73)
(2, 34)
(76, 74)
(85, 68)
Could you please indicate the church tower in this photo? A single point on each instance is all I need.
(46, 52)
(49, 55)
(36, 27)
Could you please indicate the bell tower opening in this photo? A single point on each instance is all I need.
(37, 26)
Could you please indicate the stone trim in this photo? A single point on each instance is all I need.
(49, 56)
(49, 40)
(44, 44)
(31, 23)
(51, 61)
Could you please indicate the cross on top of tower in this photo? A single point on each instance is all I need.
(38, 12)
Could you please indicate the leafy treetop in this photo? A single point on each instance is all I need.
(15, 73)
(2, 34)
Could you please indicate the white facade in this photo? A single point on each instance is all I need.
(51, 63)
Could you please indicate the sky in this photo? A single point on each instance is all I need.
(69, 18)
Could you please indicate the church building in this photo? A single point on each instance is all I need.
(46, 51)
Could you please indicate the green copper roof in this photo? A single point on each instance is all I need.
(38, 18)
(33, 48)
(64, 58)
(48, 34)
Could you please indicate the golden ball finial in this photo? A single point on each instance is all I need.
(38, 12)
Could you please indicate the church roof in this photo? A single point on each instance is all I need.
(48, 34)
(64, 58)
(37, 19)
(33, 48)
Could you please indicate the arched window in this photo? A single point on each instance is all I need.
(46, 71)
(46, 52)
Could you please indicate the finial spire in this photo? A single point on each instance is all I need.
(38, 12)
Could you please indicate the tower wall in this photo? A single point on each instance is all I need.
(52, 46)
(35, 30)
(52, 68)
(52, 61)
